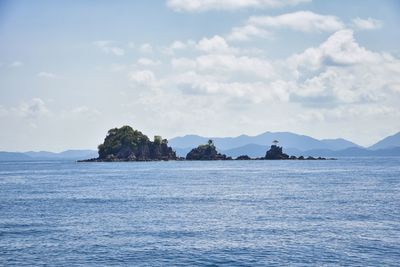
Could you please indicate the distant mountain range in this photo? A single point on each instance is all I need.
(253, 146)
(45, 155)
(293, 144)
(388, 142)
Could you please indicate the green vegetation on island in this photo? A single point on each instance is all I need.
(127, 144)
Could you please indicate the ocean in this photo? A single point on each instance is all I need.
(343, 212)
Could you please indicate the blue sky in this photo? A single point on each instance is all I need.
(70, 70)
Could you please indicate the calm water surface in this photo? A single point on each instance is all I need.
(236, 213)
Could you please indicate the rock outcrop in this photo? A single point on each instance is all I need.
(127, 144)
(275, 152)
(206, 152)
(243, 157)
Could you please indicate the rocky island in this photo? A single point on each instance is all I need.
(127, 144)
(275, 152)
(206, 152)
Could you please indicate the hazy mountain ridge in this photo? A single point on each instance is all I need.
(46, 155)
(388, 142)
(4, 156)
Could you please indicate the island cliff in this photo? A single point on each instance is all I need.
(127, 144)
(206, 152)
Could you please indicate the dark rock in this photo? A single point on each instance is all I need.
(292, 157)
(243, 157)
(275, 152)
(311, 158)
(206, 152)
(301, 158)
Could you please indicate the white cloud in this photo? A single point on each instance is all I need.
(146, 48)
(47, 75)
(337, 72)
(183, 63)
(256, 92)
(339, 49)
(303, 21)
(366, 24)
(85, 111)
(33, 108)
(340, 71)
(3, 111)
(204, 5)
(245, 33)
(110, 47)
(143, 77)
(231, 64)
(218, 45)
(214, 44)
(80, 114)
(16, 64)
(148, 62)
(228, 64)
(178, 45)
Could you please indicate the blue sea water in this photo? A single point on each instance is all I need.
(217, 213)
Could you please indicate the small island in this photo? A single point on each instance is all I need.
(275, 152)
(127, 144)
(206, 152)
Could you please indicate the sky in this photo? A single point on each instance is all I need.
(71, 70)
